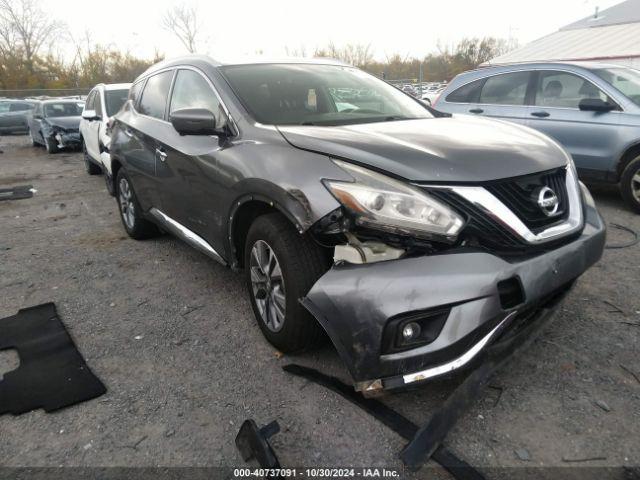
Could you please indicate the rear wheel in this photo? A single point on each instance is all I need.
(92, 168)
(630, 184)
(281, 266)
(130, 212)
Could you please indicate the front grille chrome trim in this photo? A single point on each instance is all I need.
(498, 211)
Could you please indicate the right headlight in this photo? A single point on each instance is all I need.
(382, 203)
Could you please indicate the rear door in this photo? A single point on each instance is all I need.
(192, 189)
(590, 137)
(146, 125)
(90, 128)
(503, 96)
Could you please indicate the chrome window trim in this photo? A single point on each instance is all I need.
(494, 208)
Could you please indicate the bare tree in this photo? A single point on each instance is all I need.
(182, 21)
(25, 26)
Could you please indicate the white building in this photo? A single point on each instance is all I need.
(611, 36)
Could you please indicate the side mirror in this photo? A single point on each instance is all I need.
(595, 105)
(90, 115)
(195, 121)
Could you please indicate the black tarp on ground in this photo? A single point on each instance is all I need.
(52, 373)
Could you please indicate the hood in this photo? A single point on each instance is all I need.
(448, 149)
(64, 122)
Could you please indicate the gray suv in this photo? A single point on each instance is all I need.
(592, 109)
(412, 239)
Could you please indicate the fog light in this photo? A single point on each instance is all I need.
(410, 331)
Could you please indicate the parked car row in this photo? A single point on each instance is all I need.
(412, 238)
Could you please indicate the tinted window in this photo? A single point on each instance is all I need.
(191, 90)
(134, 92)
(114, 100)
(154, 96)
(290, 94)
(68, 109)
(89, 104)
(505, 89)
(4, 107)
(20, 107)
(97, 103)
(467, 93)
(565, 90)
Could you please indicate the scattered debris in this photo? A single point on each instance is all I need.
(278, 354)
(603, 405)
(577, 460)
(253, 442)
(523, 454)
(616, 309)
(630, 372)
(52, 373)
(631, 243)
(138, 337)
(188, 309)
(17, 193)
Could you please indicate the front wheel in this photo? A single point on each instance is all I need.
(630, 184)
(281, 266)
(130, 212)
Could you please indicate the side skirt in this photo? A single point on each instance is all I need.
(186, 235)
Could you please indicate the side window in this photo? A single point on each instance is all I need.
(97, 103)
(565, 90)
(505, 89)
(154, 95)
(191, 90)
(4, 107)
(19, 107)
(467, 93)
(90, 99)
(134, 92)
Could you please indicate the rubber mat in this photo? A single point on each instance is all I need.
(52, 373)
(16, 193)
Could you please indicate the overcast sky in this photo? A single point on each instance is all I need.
(245, 27)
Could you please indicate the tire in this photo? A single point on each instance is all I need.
(630, 184)
(91, 168)
(134, 223)
(301, 263)
(51, 146)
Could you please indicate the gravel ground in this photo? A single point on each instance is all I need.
(172, 335)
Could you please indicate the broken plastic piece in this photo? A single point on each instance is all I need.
(17, 193)
(253, 442)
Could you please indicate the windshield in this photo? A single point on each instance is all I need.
(626, 80)
(114, 100)
(67, 109)
(292, 94)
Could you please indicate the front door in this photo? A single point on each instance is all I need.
(188, 166)
(590, 137)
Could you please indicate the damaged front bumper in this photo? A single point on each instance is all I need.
(70, 140)
(476, 297)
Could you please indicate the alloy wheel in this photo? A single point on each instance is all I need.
(127, 209)
(268, 285)
(635, 186)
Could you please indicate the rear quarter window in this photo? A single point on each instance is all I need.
(467, 93)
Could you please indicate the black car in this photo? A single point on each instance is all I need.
(55, 124)
(413, 239)
(14, 115)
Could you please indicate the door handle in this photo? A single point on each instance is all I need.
(540, 114)
(161, 154)
(476, 110)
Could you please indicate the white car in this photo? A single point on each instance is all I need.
(430, 96)
(102, 103)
